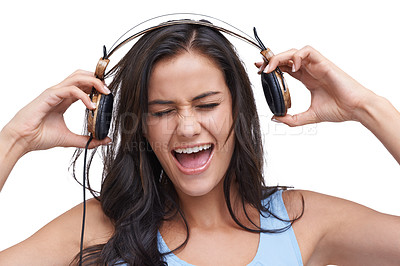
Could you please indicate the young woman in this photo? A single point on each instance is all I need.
(184, 170)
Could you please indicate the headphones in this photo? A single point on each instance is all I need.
(274, 85)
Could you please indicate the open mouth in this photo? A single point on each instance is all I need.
(194, 159)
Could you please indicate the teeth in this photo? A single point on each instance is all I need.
(193, 149)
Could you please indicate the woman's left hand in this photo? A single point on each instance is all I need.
(335, 96)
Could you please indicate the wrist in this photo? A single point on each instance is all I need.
(11, 150)
(369, 108)
(11, 144)
(374, 110)
(383, 120)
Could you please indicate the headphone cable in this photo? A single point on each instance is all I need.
(84, 199)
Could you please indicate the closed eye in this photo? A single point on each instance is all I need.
(162, 113)
(207, 106)
(201, 106)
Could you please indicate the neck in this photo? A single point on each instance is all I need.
(210, 210)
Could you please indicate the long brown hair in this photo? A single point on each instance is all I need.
(131, 194)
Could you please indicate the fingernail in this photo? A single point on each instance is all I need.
(93, 105)
(273, 119)
(261, 69)
(107, 90)
(293, 68)
(266, 69)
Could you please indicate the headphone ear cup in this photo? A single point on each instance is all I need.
(99, 120)
(104, 115)
(273, 93)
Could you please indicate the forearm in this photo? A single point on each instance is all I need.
(383, 120)
(11, 151)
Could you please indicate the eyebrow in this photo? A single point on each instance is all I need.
(203, 95)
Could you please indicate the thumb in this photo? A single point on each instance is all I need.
(80, 141)
(307, 117)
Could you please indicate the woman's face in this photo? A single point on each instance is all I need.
(190, 115)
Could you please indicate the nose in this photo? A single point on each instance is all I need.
(188, 125)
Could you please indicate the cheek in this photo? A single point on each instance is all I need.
(156, 125)
(159, 131)
(218, 123)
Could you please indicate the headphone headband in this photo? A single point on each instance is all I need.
(103, 62)
(182, 22)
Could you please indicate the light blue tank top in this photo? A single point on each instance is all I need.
(277, 249)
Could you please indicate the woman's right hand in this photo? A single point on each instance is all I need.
(40, 125)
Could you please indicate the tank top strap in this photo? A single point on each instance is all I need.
(277, 248)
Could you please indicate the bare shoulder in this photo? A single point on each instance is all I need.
(334, 230)
(319, 214)
(60, 239)
(99, 228)
(309, 202)
(320, 207)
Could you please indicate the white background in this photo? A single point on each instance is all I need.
(42, 42)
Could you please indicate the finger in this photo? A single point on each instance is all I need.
(261, 66)
(289, 70)
(300, 58)
(258, 64)
(309, 54)
(301, 119)
(281, 59)
(79, 141)
(66, 103)
(86, 81)
(69, 95)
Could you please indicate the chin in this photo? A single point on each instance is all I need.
(198, 188)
